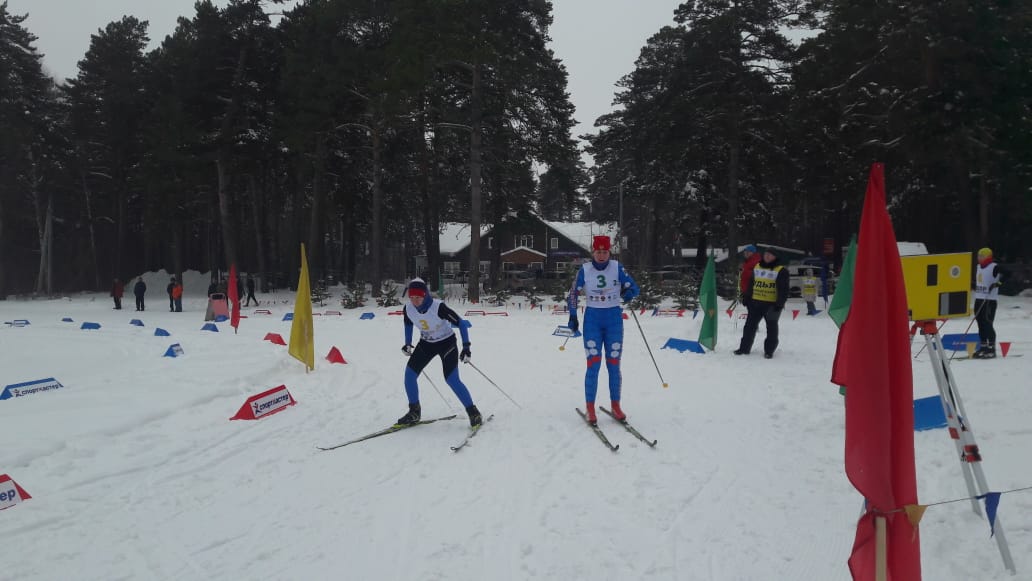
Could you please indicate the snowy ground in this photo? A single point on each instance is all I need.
(135, 471)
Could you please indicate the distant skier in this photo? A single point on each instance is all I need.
(604, 283)
(436, 339)
(987, 290)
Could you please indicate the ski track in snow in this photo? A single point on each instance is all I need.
(136, 472)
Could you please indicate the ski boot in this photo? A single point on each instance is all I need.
(618, 414)
(475, 419)
(590, 413)
(412, 417)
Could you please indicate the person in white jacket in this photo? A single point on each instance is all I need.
(987, 289)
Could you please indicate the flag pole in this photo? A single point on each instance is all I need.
(880, 550)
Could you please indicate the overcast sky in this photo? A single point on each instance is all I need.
(598, 40)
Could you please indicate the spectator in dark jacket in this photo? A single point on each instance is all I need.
(765, 299)
(168, 289)
(250, 291)
(117, 290)
(139, 289)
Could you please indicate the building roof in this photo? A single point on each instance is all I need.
(719, 254)
(455, 236)
(582, 232)
(524, 249)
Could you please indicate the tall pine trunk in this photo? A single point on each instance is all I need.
(256, 216)
(316, 219)
(431, 227)
(475, 147)
(376, 258)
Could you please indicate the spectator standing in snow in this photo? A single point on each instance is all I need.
(117, 290)
(436, 339)
(177, 296)
(139, 289)
(752, 258)
(987, 290)
(765, 299)
(810, 292)
(171, 301)
(250, 291)
(604, 283)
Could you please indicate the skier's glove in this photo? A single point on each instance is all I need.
(628, 294)
(573, 324)
(465, 355)
(408, 349)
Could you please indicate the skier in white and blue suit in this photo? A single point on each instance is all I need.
(436, 339)
(604, 283)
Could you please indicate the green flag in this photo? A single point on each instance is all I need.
(839, 309)
(708, 302)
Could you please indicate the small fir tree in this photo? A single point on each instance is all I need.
(650, 295)
(686, 294)
(353, 297)
(319, 293)
(388, 294)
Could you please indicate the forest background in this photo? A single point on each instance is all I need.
(360, 126)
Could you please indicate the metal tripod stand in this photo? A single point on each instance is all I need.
(957, 421)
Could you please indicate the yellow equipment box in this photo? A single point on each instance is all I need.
(938, 285)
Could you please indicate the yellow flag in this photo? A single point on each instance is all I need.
(302, 332)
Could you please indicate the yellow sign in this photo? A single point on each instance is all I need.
(938, 285)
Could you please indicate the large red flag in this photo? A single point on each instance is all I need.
(234, 297)
(873, 363)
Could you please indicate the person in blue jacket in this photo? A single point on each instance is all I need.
(604, 283)
(436, 339)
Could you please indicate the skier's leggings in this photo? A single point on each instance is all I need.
(603, 338)
(448, 351)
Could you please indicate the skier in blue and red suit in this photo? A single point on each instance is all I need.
(436, 339)
(604, 283)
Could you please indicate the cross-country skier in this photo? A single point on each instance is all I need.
(604, 283)
(436, 339)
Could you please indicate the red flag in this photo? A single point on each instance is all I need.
(234, 297)
(873, 363)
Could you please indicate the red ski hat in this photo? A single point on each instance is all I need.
(600, 243)
(417, 288)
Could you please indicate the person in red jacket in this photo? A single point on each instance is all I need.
(752, 258)
(117, 290)
(177, 296)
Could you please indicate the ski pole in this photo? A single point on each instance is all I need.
(470, 363)
(654, 364)
(445, 400)
(563, 346)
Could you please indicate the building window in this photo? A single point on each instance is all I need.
(561, 266)
(536, 266)
(527, 240)
(490, 241)
(485, 266)
(451, 266)
(507, 266)
(553, 243)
